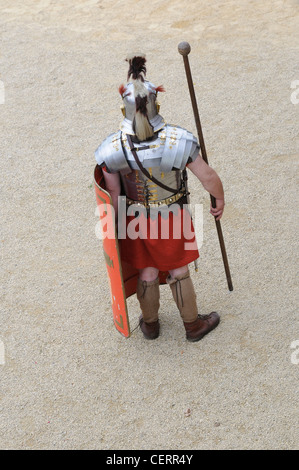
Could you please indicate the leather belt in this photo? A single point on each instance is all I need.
(163, 202)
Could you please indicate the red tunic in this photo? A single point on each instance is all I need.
(164, 244)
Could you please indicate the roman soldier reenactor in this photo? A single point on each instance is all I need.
(146, 161)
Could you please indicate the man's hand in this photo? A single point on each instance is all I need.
(211, 182)
(218, 210)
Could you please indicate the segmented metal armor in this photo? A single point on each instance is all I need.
(165, 159)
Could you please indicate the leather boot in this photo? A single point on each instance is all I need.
(196, 326)
(201, 326)
(148, 294)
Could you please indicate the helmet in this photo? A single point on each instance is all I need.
(140, 107)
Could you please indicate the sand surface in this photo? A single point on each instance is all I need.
(68, 379)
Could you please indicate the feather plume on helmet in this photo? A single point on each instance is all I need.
(139, 99)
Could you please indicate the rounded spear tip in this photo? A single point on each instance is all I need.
(184, 48)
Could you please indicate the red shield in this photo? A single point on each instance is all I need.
(122, 276)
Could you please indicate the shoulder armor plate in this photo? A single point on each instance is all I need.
(172, 149)
(111, 153)
(179, 145)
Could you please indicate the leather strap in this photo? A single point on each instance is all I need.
(145, 172)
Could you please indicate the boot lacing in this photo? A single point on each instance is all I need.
(176, 290)
(144, 285)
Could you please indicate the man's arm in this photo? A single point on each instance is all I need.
(211, 182)
(113, 187)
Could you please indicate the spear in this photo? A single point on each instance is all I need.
(184, 49)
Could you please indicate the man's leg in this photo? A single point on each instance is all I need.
(183, 293)
(148, 274)
(148, 294)
(196, 326)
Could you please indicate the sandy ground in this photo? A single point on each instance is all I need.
(69, 380)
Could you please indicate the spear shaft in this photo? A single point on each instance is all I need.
(184, 49)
